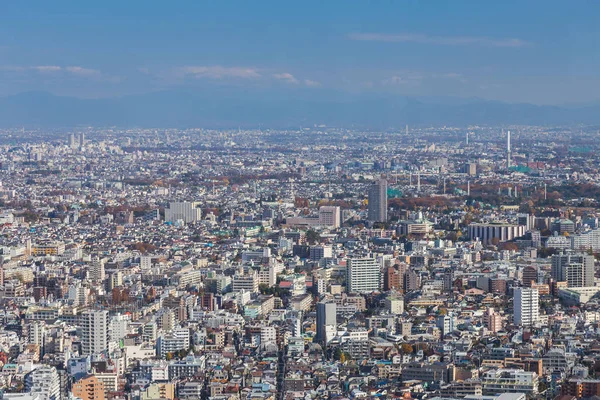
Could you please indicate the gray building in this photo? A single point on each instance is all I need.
(575, 269)
(378, 201)
(326, 317)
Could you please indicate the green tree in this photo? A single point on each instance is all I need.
(312, 236)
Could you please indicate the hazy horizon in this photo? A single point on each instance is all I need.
(542, 53)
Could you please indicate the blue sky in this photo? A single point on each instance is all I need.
(543, 52)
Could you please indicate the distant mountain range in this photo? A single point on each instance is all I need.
(278, 110)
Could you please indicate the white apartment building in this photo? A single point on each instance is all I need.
(45, 382)
(498, 381)
(187, 212)
(94, 331)
(526, 306)
(178, 339)
(363, 275)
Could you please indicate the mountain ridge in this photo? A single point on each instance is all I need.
(180, 109)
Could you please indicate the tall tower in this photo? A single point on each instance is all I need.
(508, 153)
(72, 142)
(378, 201)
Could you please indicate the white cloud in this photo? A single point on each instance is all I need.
(46, 68)
(52, 69)
(311, 83)
(404, 79)
(439, 40)
(80, 71)
(218, 72)
(286, 76)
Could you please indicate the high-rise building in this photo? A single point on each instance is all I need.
(72, 141)
(492, 320)
(363, 275)
(78, 294)
(378, 201)
(530, 275)
(448, 280)
(88, 388)
(321, 251)
(188, 212)
(508, 151)
(575, 269)
(37, 334)
(326, 321)
(471, 169)
(392, 279)
(96, 271)
(118, 327)
(82, 139)
(526, 306)
(94, 331)
(115, 280)
(44, 381)
(410, 281)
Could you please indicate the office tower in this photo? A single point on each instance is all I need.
(43, 382)
(72, 142)
(575, 269)
(446, 323)
(81, 139)
(188, 212)
(526, 306)
(378, 201)
(329, 216)
(94, 331)
(326, 321)
(530, 275)
(508, 152)
(363, 275)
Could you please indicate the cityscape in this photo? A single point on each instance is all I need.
(299, 200)
(424, 263)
